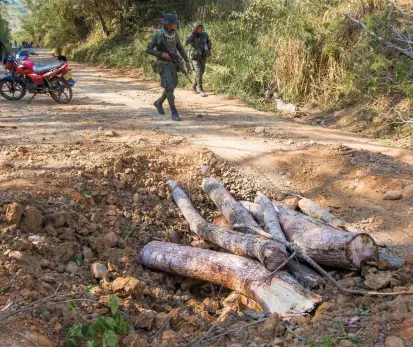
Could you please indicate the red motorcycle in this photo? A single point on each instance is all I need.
(23, 76)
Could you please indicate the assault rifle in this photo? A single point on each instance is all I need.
(176, 59)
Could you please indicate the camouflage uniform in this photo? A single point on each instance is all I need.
(167, 70)
(198, 56)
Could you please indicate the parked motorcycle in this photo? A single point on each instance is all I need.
(23, 76)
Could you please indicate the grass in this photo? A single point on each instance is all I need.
(305, 52)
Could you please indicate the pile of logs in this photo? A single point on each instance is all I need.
(271, 254)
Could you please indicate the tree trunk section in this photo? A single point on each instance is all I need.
(325, 244)
(232, 210)
(266, 251)
(305, 275)
(271, 219)
(278, 294)
(101, 19)
(313, 210)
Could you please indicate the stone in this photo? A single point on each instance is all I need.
(394, 341)
(270, 325)
(98, 270)
(72, 267)
(135, 341)
(291, 202)
(117, 166)
(44, 263)
(39, 339)
(399, 304)
(259, 130)
(393, 195)
(406, 329)
(408, 261)
(14, 212)
(162, 321)
(87, 253)
(109, 133)
(145, 319)
(58, 219)
(22, 150)
(32, 220)
(377, 280)
(168, 336)
(125, 286)
(112, 239)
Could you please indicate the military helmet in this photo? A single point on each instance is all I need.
(170, 18)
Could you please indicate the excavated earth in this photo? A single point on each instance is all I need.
(83, 187)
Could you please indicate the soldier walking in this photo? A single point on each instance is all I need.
(200, 50)
(164, 45)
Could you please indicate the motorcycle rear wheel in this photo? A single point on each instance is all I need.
(12, 91)
(62, 91)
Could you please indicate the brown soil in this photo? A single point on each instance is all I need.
(108, 193)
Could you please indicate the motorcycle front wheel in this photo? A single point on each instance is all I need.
(61, 91)
(12, 90)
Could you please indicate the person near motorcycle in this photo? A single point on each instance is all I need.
(164, 40)
(199, 51)
(2, 50)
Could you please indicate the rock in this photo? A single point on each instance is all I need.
(162, 321)
(98, 270)
(168, 336)
(44, 263)
(176, 236)
(39, 339)
(125, 286)
(393, 341)
(406, 329)
(87, 253)
(58, 219)
(269, 326)
(32, 220)
(286, 108)
(291, 202)
(117, 166)
(408, 261)
(145, 319)
(72, 267)
(134, 340)
(22, 150)
(393, 195)
(377, 280)
(399, 304)
(14, 213)
(60, 268)
(112, 239)
(222, 222)
(109, 133)
(259, 130)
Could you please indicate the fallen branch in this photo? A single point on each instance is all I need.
(388, 44)
(283, 295)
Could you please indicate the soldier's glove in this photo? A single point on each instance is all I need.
(166, 57)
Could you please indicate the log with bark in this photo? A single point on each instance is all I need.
(235, 212)
(313, 210)
(266, 251)
(281, 294)
(325, 244)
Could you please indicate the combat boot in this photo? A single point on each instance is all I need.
(159, 107)
(202, 93)
(175, 114)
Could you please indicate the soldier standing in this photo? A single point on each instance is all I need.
(164, 45)
(200, 50)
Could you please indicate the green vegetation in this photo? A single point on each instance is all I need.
(308, 52)
(103, 331)
(5, 35)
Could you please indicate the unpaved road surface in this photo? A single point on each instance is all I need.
(104, 159)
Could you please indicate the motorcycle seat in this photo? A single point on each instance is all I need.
(41, 69)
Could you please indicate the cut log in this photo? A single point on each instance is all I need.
(281, 294)
(313, 210)
(231, 209)
(305, 275)
(271, 219)
(325, 244)
(268, 252)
